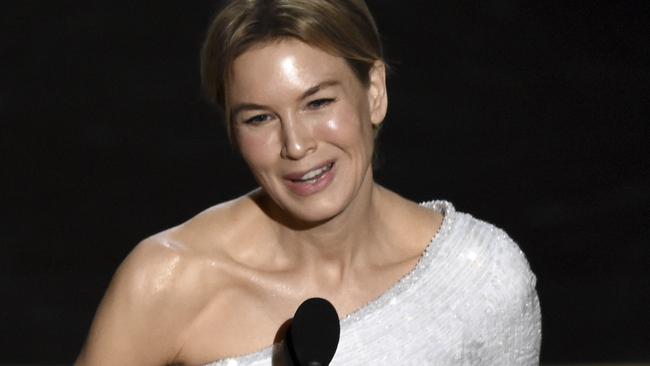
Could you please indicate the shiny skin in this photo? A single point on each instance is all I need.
(222, 283)
(288, 132)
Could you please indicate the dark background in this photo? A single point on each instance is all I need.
(530, 115)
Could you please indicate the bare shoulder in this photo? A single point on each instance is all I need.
(217, 226)
(160, 289)
(139, 316)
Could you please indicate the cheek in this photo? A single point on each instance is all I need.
(257, 149)
(346, 128)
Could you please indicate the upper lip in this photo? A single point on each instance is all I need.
(298, 175)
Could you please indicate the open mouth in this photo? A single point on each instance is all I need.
(313, 176)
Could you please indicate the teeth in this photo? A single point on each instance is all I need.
(311, 176)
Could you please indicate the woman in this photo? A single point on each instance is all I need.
(302, 84)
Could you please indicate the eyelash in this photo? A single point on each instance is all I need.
(258, 119)
(319, 103)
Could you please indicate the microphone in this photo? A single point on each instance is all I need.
(313, 334)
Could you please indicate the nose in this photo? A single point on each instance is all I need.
(298, 140)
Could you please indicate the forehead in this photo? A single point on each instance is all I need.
(283, 68)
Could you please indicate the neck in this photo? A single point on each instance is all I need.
(330, 248)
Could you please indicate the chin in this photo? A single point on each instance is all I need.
(301, 212)
(315, 210)
(319, 213)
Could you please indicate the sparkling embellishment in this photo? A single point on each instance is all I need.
(469, 300)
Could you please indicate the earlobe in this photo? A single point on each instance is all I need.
(378, 98)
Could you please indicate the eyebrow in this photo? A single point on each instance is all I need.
(245, 107)
(309, 92)
(316, 88)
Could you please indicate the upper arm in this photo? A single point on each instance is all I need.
(516, 319)
(134, 324)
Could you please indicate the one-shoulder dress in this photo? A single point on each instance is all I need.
(469, 300)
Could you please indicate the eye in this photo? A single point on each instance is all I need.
(258, 119)
(320, 103)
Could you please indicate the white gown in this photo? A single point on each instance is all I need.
(470, 300)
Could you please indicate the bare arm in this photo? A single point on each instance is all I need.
(135, 322)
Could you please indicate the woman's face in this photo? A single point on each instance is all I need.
(304, 124)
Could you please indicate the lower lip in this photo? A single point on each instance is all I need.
(307, 189)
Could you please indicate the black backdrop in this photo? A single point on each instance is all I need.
(530, 115)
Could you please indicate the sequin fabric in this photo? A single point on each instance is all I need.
(470, 300)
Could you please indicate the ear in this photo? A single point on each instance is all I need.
(377, 97)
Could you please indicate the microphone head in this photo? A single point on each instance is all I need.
(314, 333)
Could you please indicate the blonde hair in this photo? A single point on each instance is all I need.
(344, 28)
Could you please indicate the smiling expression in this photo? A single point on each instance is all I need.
(303, 122)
